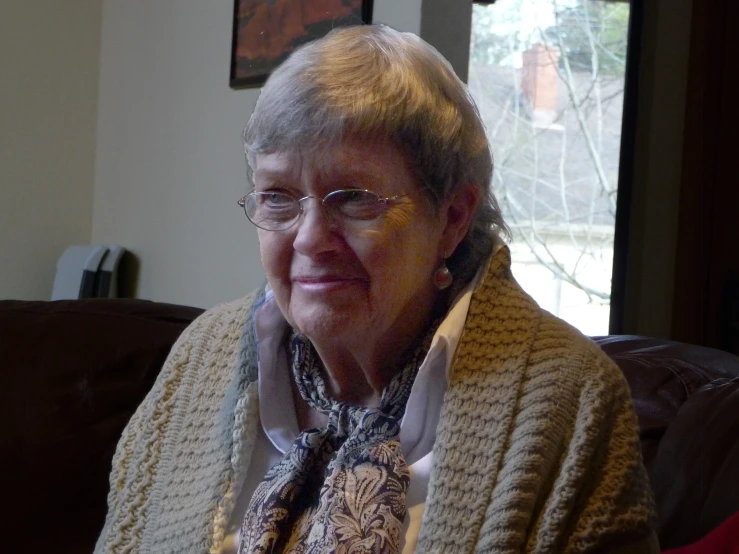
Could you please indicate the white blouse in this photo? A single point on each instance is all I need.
(279, 427)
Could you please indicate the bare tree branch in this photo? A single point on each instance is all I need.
(557, 268)
(569, 82)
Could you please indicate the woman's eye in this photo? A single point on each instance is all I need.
(359, 204)
(357, 197)
(276, 199)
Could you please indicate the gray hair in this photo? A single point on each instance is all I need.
(372, 81)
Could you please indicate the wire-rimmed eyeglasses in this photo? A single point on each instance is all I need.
(278, 211)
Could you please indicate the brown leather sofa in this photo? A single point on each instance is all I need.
(72, 373)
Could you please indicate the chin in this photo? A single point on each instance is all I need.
(323, 323)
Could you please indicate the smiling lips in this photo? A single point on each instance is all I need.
(324, 283)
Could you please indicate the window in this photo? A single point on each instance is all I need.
(548, 77)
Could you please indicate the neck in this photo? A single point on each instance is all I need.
(358, 373)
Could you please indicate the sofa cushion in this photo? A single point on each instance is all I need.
(687, 401)
(71, 375)
(695, 474)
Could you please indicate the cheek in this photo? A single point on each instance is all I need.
(276, 260)
(401, 261)
(275, 253)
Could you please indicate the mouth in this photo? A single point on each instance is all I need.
(323, 283)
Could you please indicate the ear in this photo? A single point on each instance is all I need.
(458, 212)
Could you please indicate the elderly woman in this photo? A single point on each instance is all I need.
(392, 389)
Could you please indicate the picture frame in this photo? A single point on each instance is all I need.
(265, 32)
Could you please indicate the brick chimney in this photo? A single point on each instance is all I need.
(539, 81)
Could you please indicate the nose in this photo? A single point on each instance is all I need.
(315, 231)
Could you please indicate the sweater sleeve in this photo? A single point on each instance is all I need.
(135, 460)
(601, 500)
(173, 459)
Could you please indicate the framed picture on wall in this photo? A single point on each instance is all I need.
(265, 32)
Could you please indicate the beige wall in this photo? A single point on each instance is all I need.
(170, 162)
(169, 165)
(48, 99)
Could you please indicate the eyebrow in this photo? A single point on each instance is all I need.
(270, 174)
(273, 177)
(367, 175)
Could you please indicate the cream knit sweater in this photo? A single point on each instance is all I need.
(536, 449)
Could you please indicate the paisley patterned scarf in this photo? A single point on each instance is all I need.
(341, 488)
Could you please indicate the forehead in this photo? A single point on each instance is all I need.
(379, 160)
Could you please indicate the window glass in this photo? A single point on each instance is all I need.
(548, 77)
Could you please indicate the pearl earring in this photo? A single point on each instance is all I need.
(443, 277)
